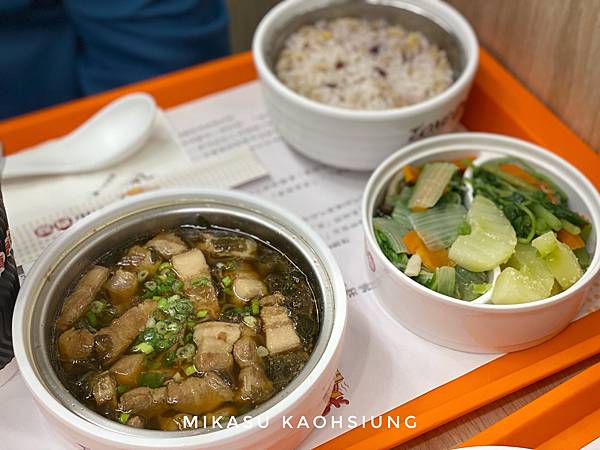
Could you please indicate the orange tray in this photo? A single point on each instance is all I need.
(573, 408)
(498, 103)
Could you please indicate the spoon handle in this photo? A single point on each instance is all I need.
(32, 162)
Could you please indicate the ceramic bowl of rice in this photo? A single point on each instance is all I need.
(348, 82)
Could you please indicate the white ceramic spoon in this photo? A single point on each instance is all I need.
(110, 136)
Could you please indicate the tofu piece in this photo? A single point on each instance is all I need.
(191, 265)
(279, 329)
(122, 287)
(167, 244)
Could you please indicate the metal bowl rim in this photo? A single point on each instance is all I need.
(83, 229)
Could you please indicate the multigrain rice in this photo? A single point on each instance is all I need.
(363, 64)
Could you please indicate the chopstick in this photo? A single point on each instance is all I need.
(566, 417)
(503, 376)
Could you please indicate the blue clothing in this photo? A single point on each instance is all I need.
(52, 51)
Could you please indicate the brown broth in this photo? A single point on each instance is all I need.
(233, 258)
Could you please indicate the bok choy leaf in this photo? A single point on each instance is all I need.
(430, 186)
(471, 285)
(445, 280)
(438, 227)
(389, 234)
(401, 213)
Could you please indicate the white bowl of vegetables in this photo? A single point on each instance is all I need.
(481, 242)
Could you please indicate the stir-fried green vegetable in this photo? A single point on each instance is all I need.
(423, 227)
(438, 226)
(431, 184)
(532, 202)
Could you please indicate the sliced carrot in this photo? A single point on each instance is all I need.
(411, 174)
(463, 163)
(517, 171)
(431, 259)
(572, 240)
(412, 241)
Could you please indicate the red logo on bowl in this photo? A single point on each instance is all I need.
(2, 261)
(371, 261)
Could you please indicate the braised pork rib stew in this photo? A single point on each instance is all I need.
(206, 323)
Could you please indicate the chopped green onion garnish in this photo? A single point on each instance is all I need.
(186, 352)
(226, 281)
(228, 291)
(173, 327)
(122, 388)
(149, 335)
(161, 327)
(142, 275)
(151, 379)
(150, 285)
(163, 303)
(262, 351)
(255, 307)
(251, 321)
(201, 314)
(163, 266)
(123, 418)
(177, 285)
(153, 364)
(144, 348)
(190, 370)
(97, 306)
(163, 345)
(169, 359)
(200, 282)
(183, 307)
(174, 298)
(189, 338)
(91, 317)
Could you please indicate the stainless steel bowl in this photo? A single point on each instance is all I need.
(43, 293)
